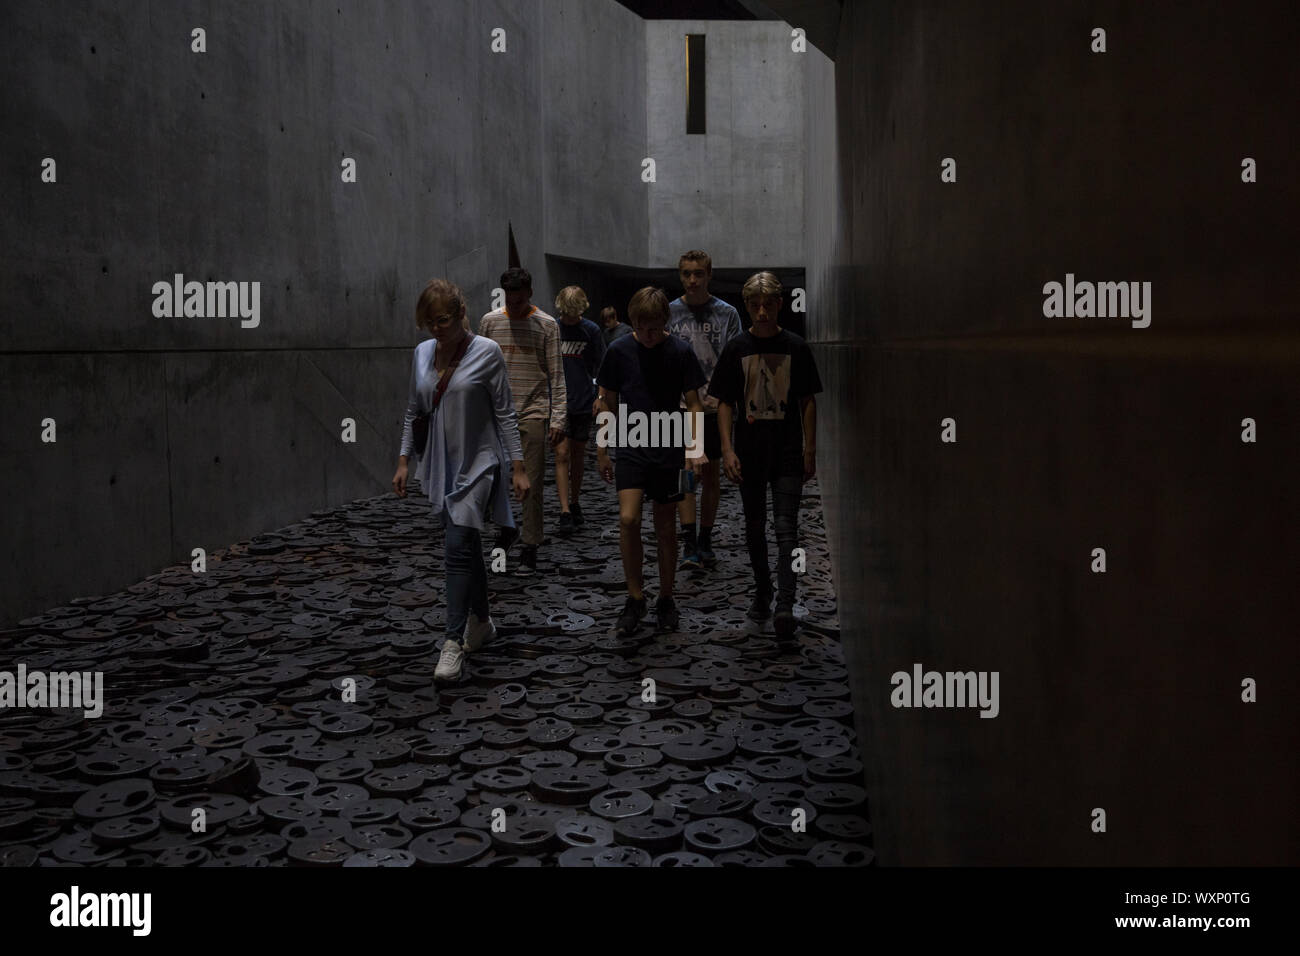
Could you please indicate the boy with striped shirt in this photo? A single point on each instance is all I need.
(530, 341)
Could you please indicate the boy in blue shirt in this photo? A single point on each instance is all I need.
(582, 348)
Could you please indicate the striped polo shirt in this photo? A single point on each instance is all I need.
(532, 350)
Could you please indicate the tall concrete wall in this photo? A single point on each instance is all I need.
(175, 433)
(595, 108)
(1118, 690)
(736, 191)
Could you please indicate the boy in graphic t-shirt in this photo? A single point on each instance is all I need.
(705, 322)
(764, 382)
(650, 372)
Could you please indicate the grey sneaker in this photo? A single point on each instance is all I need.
(690, 557)
(450, 662)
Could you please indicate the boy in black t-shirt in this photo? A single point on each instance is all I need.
(649, 372)
(765, 381)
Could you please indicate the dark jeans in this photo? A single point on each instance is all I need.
(786, 489)
(466, 576)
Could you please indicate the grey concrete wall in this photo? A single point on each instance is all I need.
(1122, 690)
(823, 237)
(595, 107)
(737, 190)
(188, 432)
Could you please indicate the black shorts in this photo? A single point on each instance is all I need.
(577, 425)
(659, 484)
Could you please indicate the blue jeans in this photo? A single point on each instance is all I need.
(466, 576)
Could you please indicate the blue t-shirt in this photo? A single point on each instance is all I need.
(706, 328)
(651, 380)
(582, 347)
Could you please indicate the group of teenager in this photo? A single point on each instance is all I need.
(487, 405)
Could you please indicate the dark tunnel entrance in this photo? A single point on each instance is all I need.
(611, 284)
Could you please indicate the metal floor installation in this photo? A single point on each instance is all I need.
(225, 693)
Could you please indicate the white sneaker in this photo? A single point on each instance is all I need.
(478, 633)
(450, 662)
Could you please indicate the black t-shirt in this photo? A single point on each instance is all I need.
(650, 380)
(764, 380)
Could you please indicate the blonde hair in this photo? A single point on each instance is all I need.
(571, 301)
(439, 292)
(761, 283)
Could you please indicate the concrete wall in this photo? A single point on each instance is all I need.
(195, 432)
(736, 191)
(823, 238)
(594, 74)
(1120, 690)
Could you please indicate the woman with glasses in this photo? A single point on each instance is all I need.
(459, 379)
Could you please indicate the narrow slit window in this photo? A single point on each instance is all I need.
(694, 83)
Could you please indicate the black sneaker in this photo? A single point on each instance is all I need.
(576, 510)
(783, 622)
(761, 608)
(506, 538)
(527, 562)
(707, 557)
(690, 557)
(566, 525)
(633, 611)
(666, 615)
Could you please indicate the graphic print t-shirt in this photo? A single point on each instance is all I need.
(582, 347)
(706, 329)
(764, 379)
(650, 380)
